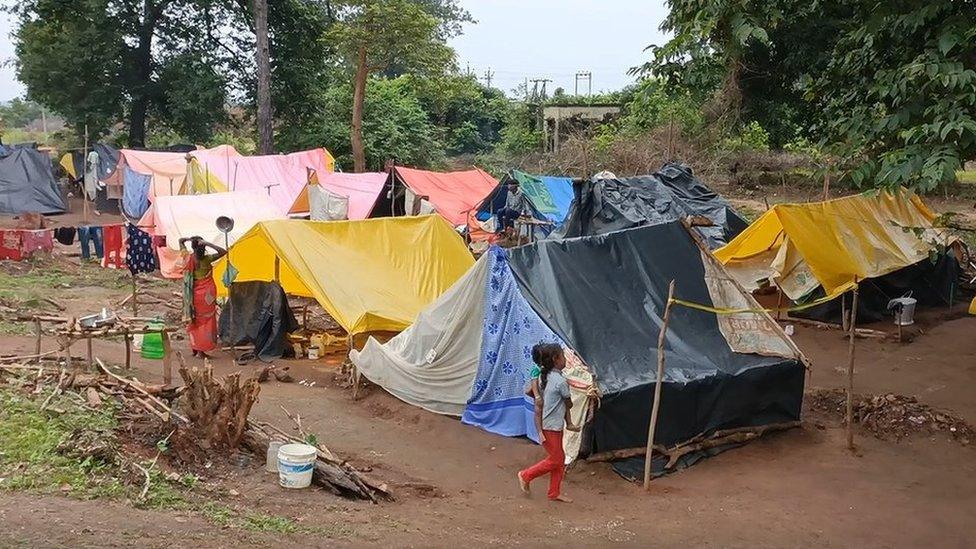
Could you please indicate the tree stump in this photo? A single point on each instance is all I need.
(217, 412)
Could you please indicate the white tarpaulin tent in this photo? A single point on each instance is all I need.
(196, 215)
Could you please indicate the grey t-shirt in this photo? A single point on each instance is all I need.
(553, 402)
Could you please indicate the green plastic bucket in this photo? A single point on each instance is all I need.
(152, 342)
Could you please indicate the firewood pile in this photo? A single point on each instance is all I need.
(891, 416)
(206, 417)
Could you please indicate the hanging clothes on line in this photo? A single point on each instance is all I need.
(93, 236)
(113, 246)
(139, 251)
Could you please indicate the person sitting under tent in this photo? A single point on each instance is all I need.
(514, 208)
(200, 295)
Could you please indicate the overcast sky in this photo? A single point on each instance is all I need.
(519, 39)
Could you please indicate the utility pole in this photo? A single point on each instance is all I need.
(263, 61)
(584, 75)
(535, 88)
(488, 75)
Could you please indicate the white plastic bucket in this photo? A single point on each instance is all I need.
(313, 353)
(295, 465)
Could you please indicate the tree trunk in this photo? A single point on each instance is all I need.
(263, 58)
(143, 75)
(358, 99)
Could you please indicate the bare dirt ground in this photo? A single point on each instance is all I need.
(455, 483)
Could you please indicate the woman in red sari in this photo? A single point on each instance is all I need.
(200, 295)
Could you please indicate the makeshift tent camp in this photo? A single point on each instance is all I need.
(468, 354)
(880, 236)
(108, 174)
(282, 176)
(167, 169)
(176, 217)
(360, 189)
(369, 275)
(27, 183)
(452, 194)
(672, 193)
(602, 296)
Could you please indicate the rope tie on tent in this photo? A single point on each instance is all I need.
(730, 311)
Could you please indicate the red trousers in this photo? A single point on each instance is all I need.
(554, 464)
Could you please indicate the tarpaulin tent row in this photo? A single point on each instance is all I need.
(603, 205)
(603, 297)
(283, 177)
(369, 275)
(27, 183)
(451, 194)
(831, 246)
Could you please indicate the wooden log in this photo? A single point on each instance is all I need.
(719, 437)
(662, 337)
(850, 373)
(91, 360)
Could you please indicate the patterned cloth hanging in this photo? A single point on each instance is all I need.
(139, 251)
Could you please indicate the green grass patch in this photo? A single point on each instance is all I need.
(36, 451)
(223, 515)
(49, 452)
(47, 278)
(8, 327)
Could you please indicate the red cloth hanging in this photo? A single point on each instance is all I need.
(114, 245)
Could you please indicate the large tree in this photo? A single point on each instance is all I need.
(97, 62)
(385, 35)
(889, 85)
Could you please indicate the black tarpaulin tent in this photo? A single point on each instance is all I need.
(672, 193)
(258, 313)
(605, 296)
(27, 183)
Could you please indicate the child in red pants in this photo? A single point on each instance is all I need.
(552, 404)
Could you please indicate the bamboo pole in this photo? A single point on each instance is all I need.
(850, 372)
(128, 350)
(135, 297)
(84, 172)
(37, 343)
(657, 388)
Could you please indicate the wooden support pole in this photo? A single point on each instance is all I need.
(850, 372)
(135, 297)
(37, 343)
(167, 360)
(91, 359)
(128, 350)
(826, 185)
(657, 388)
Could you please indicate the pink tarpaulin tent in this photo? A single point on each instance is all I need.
(168, 170)
(362, 190)
(282, 177)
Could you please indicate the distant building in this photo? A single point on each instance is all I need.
(560, 121)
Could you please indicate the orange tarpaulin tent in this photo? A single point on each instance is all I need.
(452, 194)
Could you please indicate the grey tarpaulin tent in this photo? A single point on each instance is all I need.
(672, 193)
(27, 183)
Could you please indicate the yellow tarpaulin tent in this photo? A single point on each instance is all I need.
(832, 243)
(370, 275)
